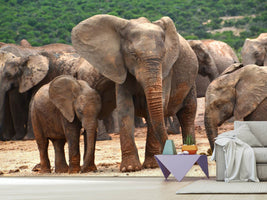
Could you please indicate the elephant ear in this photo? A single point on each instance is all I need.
(207, 64)
(35, 69)
(232, 68)
(97, 39)
(251, 90)
(63, 91)
(171, 43)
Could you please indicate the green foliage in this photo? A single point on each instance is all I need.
(44, 21)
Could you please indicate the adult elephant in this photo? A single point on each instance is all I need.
(254, 51)
(51, 48)
(13, 104)
(154, 69)
(240, 93)
(213, 58)
(24, 71)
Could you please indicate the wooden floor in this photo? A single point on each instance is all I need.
(61, 187)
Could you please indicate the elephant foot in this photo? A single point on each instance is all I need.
(44, 171)
(172, 131)
(103, 136)
(88, 169)
(209, 152)
(15, 138)
(62, 169)
(38, 168)
(130, 164)
(150, 162)
(74, 170)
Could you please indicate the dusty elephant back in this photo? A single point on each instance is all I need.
(18, 50)
(57, 48)
(222, 53)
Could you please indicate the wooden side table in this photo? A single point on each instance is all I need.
(179, 165)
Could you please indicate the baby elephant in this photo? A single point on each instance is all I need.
(59, 110)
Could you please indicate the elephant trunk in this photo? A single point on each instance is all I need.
(155, 108)
(151, 80)
(211, 129)
(89, 145)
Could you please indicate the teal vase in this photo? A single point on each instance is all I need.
(169, 148)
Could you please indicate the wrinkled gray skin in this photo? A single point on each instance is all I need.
(240, 92)
(154, 69)
(213, 58)
(59, 110)
(24, 71)
(254, 51)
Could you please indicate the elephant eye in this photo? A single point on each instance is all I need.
(8, 75)
(134, 55)
(217, 105)
(79, 110)
(256, 53)
(11, 71)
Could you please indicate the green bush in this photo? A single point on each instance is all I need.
(45, 21)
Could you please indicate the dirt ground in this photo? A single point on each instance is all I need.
(18, 158)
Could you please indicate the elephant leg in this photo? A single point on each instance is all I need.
(116, 121)
(42, 144)
(138, 121)
(130, 159)
(109, 124)
(173, 125)
(19, 106)
(102, 133)
(187, 114)
(29, 135)
(73, 139)
(60, 160)
(152, 148)
(176, 124)
(85, 143)
(7, 129)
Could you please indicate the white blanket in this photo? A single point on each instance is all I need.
(239, 159)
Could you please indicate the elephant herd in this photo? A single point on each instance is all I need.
(140, 68)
